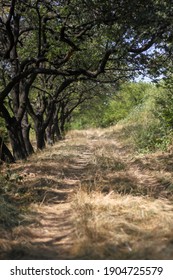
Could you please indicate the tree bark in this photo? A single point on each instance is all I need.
(5, 154)
(16, 140)
(15, 134)
(40, 138)
(58, 135)
(25, 132)
(50, 139)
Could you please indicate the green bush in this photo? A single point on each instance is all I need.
(151, 121)
(151, 137)
(110, 106)
(145, 110)
(164, 106)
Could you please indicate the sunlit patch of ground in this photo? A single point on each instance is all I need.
(117, 226)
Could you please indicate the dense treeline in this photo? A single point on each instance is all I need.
(54, 55)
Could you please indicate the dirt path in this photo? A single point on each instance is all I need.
(89, 161)
(48, 181)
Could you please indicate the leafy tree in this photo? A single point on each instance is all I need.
(75, 41)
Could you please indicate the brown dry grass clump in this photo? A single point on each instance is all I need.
(122, 227)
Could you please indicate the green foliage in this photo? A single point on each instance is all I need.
(144, 110)
(110, 105)
(78, 41)
(149, 124)
(128, 97)
(151, 136)
(164, 106)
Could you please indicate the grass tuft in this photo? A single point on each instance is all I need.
(116, 226)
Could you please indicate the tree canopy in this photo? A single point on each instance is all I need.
(51, 51)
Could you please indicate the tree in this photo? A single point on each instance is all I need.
(74, 41)
(5, 154)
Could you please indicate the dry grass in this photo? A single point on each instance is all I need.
(124, 207)
(121, 227)
(88, 197)
(9, 213)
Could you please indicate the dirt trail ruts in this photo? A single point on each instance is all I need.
(50, 179)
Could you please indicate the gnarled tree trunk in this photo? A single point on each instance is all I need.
(5, 154)
(25, 132)
(15, 134)
(16, 140)
(39, 132)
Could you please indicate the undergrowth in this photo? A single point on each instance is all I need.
(145, 112)
(9, 212)
(146, 129)
(12, 208)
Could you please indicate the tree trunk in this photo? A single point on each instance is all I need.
(25, 132)
(5, 154)
(16, 140)
(50, 133)
(62, 128)
(40, 136)
(15, 134)
(58, 134)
